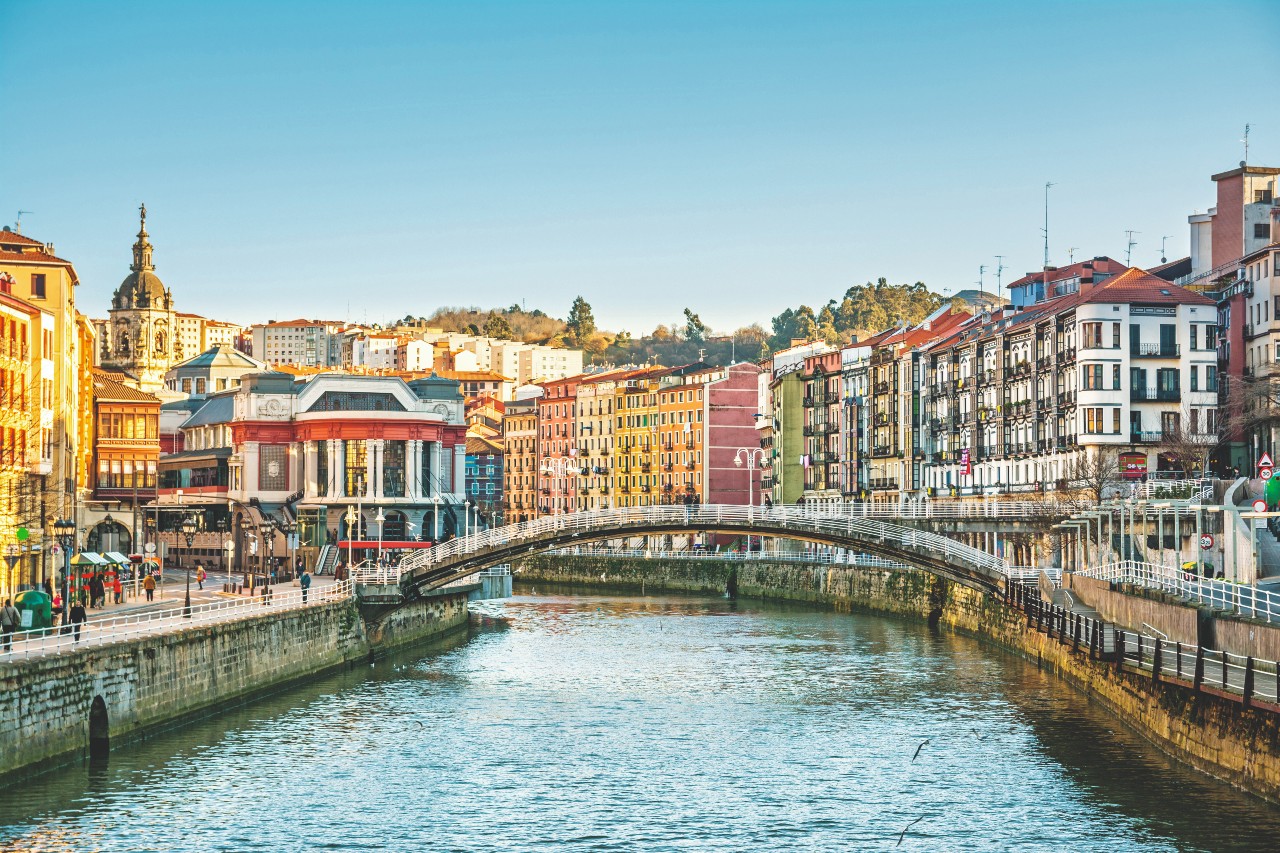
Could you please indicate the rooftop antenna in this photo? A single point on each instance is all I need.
(1071, 254)
(1245, 162)
(1128, 252)
(1046, 222)
(999, 271)
(701, 353)
(17, 226)
(981, 269)
(1163, 259)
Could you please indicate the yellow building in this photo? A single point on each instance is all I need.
(635, 436)
(520, 463)
(47, 283)
(680, 430)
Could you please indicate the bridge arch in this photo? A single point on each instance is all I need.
(838, 526)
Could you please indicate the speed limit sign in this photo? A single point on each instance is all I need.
(1206, 541)
(1265, 473)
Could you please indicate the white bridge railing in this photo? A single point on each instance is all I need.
(849, 521)
(110, 629)
(1237, 598)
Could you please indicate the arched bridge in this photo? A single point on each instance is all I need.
(842, 526)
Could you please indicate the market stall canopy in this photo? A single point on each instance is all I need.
(89, 558)
(116, 557)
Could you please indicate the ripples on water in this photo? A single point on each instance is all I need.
(609, 723)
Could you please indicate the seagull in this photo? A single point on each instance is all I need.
(918, 748)
(979, 735)
(419, 724)
(903, 834)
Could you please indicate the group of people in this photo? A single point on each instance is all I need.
(99, 586)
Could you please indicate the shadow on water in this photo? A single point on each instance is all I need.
(170, 752)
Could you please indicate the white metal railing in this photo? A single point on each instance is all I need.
(111, 629)
(840, 558)
(837, 520)
(1191, 491)
(1245, 600)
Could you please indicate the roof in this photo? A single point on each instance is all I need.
(1135, 285)
(8, 237)
(474, 375)
(210, 453)
(1101, 264)
(38, 256)
(300, 322)
(1252, 170)
(108, 389)
(221, 356)
(1173, 270)
(218, 409)
(478, 446)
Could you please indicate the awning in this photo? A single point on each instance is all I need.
(116, 557)
(89, 558)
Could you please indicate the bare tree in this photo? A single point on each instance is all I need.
(1095, 472)
(1191, 443)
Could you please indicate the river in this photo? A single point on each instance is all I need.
(652, 723)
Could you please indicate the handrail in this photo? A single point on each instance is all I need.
(111, 629)
(1236, 598)
(1149, 630)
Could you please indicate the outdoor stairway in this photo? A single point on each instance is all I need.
(327, 561)
(1064, 599)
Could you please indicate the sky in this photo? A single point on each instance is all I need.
(364, 161)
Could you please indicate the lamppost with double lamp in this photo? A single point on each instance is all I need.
(752, 456)
(220, 527)
(351, 536)
(435, 499)
(382, 520)
(269, 541)
(246, 528)
(188, 533)
(289, 528)
(64, 530)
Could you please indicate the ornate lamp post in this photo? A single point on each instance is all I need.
(752, 456)
(435, 499)
(289, 528)
(64, 530)
(246, 528)
(382, 520)
(351, 535)
(220, 527)
(188, 533)
(269, 541)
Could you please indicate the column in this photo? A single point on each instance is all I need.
(413, 465)
(433, 472)
(311, 469)
(331, 481)
(460, 469)
(379, 445)
(369, 454)
(339, 469)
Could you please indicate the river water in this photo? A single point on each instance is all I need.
(652, 723)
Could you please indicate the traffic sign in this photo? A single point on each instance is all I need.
(1265, 461)
(1265, 473)
(1206, 541)
(1260, 505)
(150, 548)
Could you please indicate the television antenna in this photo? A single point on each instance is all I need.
(1128, 252)
(1071, 254)
(1163, 259)
(999, 271)
(981, 269)
(17, 226)
(1245, 162)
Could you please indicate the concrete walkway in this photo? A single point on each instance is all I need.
(128, 620)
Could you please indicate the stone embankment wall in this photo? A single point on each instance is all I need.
(1177, 622)
(1234, 743)
(47, 703)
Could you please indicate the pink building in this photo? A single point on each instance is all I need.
(731, 406)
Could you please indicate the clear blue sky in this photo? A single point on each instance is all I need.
(734, 157)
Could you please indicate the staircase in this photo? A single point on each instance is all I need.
(1064, 599)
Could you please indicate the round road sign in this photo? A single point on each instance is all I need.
(1206, 541)
(151, 548)
(1265, 473)
(1260, 505)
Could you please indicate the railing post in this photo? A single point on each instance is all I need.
(1156, 661)
(1095, 644)
(1224, 670)
(1248, 680)
(1120, 650)
(1197, 678)
(1177, 650)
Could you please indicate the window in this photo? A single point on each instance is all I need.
(1092, 336)
(1093, 420)
(37, 286)
(200, 386)
(1262, 196)
(1210, 336)
(273, 467)
(1115, 420)
(1115, 377)
(1211, 378)
(1195, 375)
(1092, 377)
(1261, 231)
(186, 386)
(1194, 336)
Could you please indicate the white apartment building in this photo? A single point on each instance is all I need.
(308, 343)
(374, 350)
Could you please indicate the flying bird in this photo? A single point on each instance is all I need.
(903, 834)
(979, 735)
(918, 748)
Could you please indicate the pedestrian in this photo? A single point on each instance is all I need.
(78, 617)
(117, 589)
(10, 620)
(200, 575)
(57, 611)
(150, 586)
(48, 588)
(304, 580)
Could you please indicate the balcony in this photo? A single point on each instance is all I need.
(880, 388)
(692, 466)
(1067, 355)
(1066, 398)
(832, 426)
(808, 429)
(667, 466)
(807, 402)
(879, 484)
(832, 397)
(1154, 351)
(1155, 395)
(1139, 437)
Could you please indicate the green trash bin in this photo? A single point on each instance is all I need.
(35, 610)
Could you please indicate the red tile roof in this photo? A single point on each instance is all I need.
(32, 257)
(13, 238)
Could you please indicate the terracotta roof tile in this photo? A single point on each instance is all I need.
(13, 238)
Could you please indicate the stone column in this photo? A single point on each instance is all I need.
(330, 481)
(311, 469)
(379, 447)
(433, 471)
(460, 469)
(413, 470)
(369, 454)
(339, 470)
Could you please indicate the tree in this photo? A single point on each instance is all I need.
(581, 323)
(1189, 444)
(694, 329)
(496, 326)
(1096, 472)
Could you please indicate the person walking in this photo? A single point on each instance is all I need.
(10, 620)
(304, 581)
(78, 618)
(200, 575)
(150, 586)
(117, 589)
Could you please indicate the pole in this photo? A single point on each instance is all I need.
(1199, 548)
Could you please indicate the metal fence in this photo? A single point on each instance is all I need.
(111, 629)
(1236, 598)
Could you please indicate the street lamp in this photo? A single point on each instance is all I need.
(435, 499)
(220, 527)
(269, 540)
(188, 533)
(289, 528)
(561, 466)
(108, 527)
(64, 530)
(246, 528)
(351, 535)
(382, 520)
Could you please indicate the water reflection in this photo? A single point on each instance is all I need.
(652, 723)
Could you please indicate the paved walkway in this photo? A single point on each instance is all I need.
(125, 621)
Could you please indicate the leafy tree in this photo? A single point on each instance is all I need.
(694, 329)
(496, 326)
(581, 323)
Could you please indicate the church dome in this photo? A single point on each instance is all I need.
(142, 288)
